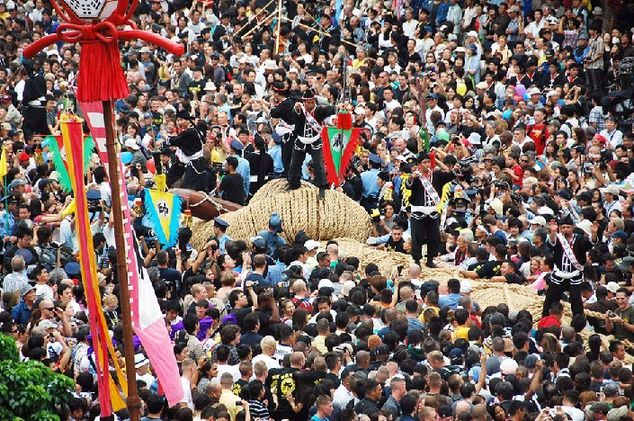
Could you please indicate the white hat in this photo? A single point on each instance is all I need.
(612, 287)
(145, 50)
(209, 86)
(243, 59)
(472, 34)
(347, 286)
(482, 85)
(325, 283)
(545, 210)
(293, 70)
(131, 143)
(586, 226)
(613, 190)
(534, 91)
(508, 367)
(538, 220)
(465, 287)
(311, 245)
(140, 360)
(359, 110)
(552, 93)
(461, 50)
(270, 64)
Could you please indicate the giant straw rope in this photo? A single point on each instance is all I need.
(336, 216)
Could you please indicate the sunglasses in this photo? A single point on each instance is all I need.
(49, 308)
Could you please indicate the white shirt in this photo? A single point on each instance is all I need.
(409, 28)
(341, 397)
(187, 393)
(615, 138)
(270, 362)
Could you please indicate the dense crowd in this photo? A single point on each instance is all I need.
(496, 138)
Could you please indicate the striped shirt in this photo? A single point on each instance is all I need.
(258, 410)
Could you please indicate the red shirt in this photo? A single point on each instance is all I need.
(519, 172)
(548, 321)
(538, 133)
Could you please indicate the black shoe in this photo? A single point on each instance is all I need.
(431, 265)
(292, 186)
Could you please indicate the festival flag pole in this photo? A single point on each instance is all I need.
(133, 401)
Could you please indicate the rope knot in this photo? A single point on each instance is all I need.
(72, 33)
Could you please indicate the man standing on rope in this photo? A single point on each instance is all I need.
(283, 110)
(189, 148)
(309, 120)
(426, 186)
(569, 250)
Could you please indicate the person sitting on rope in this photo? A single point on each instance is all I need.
(189, 147)
(309, 122)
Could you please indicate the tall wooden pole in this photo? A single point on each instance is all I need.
(133, 402)
(279, 27)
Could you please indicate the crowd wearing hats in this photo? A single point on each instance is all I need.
(495, 139)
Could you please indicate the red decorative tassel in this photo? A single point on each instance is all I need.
(344, 120)
(101, 77)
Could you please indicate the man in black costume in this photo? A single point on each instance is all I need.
(426, 186)
(34, 100)
(283, 110)
(191, 162)
(309, 119)
(569, 251)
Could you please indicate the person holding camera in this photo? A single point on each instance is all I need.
(426, 186)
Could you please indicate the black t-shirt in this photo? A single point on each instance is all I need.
(489, 269)
(232, 187)
(172, 278)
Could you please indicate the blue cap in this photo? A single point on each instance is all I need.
(258, 242)
(375, 159)
(236, 145)
(71, 268)
(620, 234)
(221, 223)
(93, 194)
(276, 138)
(275, 222)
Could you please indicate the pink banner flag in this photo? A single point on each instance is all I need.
(147, 319)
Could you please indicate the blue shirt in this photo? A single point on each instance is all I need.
(370, 186)
(276, 153)
(21, 313)
(222, 242)
(273, 241)
(274, 273)
(244, 169)
(449, 300)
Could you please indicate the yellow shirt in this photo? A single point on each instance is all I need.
(461, 332)
(228, 399)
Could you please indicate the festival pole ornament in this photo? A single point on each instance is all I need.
(98, 26)
(94, 24)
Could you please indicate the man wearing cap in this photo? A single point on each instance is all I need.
(272, 235)
(133, 147)
(309, 120)
(189, 146)
(22, 312)
(611, 199)
(220, 231)
(283, 110)
(425, 185)
(569, 250)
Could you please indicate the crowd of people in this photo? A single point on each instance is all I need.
(495, 138)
